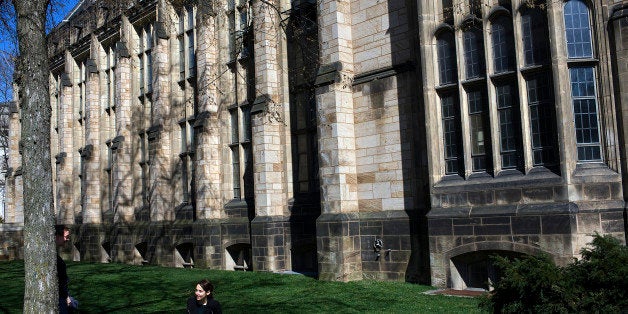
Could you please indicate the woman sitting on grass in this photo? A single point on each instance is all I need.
(203, 300)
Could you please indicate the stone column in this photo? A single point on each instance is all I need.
(207, 129)
(14, 213)
(65, 181)
(270, 227)
(207, 160)
(161, 180)
(338, 241)
(121, 144)
(619, 39)
(90, 153)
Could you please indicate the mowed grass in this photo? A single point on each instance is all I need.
(120, 288)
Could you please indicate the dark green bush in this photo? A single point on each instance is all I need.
(597, 283)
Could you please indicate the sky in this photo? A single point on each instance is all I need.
(7, 45)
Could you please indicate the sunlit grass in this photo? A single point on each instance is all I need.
(120, 288)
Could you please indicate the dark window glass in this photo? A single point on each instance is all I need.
(480, 138)
(585, 113)
(235, 162)
(542, 119)
(503, 53)
(447, 59)
(451, 134)
(535, 37)
(447, 11)
(473, 54)
(508, 124)
(235, 132)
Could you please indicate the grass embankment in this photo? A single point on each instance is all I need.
(120, 288)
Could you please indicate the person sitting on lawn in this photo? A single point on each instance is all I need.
(203, 300)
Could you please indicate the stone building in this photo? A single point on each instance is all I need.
(393, 140)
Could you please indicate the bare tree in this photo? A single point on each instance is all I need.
(40, 273)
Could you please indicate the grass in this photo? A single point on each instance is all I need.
(120, 288)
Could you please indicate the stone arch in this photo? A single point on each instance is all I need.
(184, 255)
(470, 266)
(238, 256)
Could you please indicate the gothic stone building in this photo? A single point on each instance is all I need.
(393, 140)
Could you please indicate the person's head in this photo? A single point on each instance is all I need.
(204, 289)
(62, 235)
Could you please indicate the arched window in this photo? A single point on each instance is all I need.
(535, 37)
(578, 30)
(502, 44)
(447, 58)
(473, 54)
(450, 104)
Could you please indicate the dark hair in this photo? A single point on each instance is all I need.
(207, 286)
(60, 229)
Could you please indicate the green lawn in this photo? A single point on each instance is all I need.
(120, 288)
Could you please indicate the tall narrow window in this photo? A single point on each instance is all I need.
(585, 113)
(187, 152)
(145, 69)
(187, 82)
(450, 106)
(187, 43)
(235, 153)
(451, 134)
(82, 78)
(109, 172)
(144, 167)
(509, 129)
(448, 72)
(578, 30)
(447, 11)
(473, 54)
(542, 119)
(480, 133)
(535, 37)
(503, 47)
(475, 8)
(582, 77)
(110, 76)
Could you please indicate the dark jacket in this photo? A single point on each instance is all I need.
(62, 276)
(212, 306)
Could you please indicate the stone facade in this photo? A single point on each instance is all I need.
(343, 139)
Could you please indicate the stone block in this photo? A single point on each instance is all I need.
(438, 227)
(556, 224)
(480, 198)
(454, 199)
(492, 229)
(526, 225)
(466, 221)
(588, 222)
(510, 196)
(596, 191)
(495, 220)
(463, 230)
(536, 194)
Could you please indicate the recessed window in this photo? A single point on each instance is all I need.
(447, 59)
(473, 54)
(503, 47)
(578, 30)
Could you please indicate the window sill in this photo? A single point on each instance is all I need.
(595, 171)
(482, 181)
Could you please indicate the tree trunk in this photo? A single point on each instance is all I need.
(40, 268)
